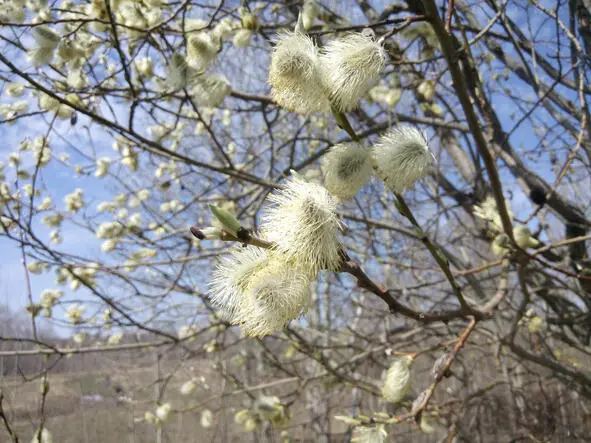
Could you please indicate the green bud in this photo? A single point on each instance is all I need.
(34, 309)
(226, 218)
(347, 420)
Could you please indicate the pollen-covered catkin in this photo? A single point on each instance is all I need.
(401, 157)
(347, 168)
(211, 89)
(351, 65)
(303, 223)
(201, 50)
(258, 290)
(294, 75)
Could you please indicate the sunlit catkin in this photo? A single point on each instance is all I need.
(201, 50)
(43, 436)
(369, 434)
(47, 40)
(303, 223)
(487, 210)
(347, 168)
(178, 71)
(210, 89)
(258, 290)
(294, 74)
(524, 237)
(401, 157)
(351, 65)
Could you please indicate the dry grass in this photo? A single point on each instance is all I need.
(72, 417)
(550, 414)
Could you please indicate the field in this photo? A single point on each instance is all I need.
(108, 405)
(96, 398)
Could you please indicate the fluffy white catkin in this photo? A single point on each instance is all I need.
(347, 168)
(351, 65)
(488, 211)
(303, 223)
(210, 89)
(369, 434)
(201, 50)
(294, 74)
(47, 40)
(259, 290)
(178, 71)
(401, 157)
(524, 237)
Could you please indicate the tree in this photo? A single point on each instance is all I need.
(421, 166)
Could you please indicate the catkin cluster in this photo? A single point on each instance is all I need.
(399, 157)
(306, 79)
(262, 289)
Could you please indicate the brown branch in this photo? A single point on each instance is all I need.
(461, 88)
(11, 432)
(365, 282)
(427, 394)
(436, 253)
(449, 14)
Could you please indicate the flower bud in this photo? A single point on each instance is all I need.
(144, 67)
(397, 382)
(34, 309)
(369, 434)
(151, 418)
(206, 418)
(42, 437)
(488, 211)
(211, 233)
(178, 71)
(425, 426)
(46, 37)
(242, 38)
(249, 20)
(427, 89)
(536, 324)
(163, 411)
(250, 424)
(226, 218)
(14, 90)
(500, 245)
(211, 89)
(241, 416)
(188, 387)
(524, 238)
(201, 50)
